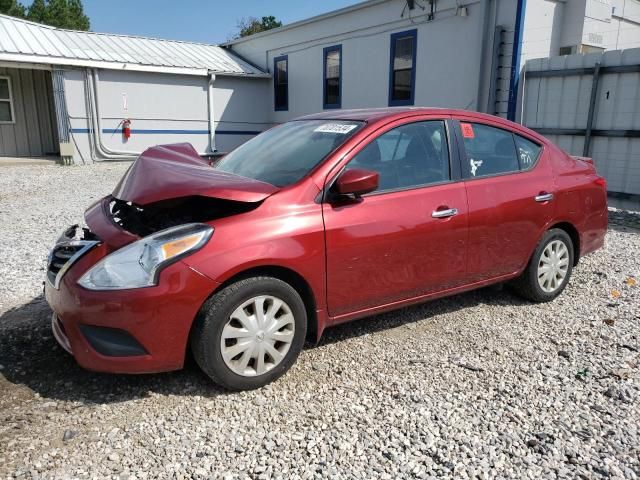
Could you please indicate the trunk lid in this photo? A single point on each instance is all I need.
(174, 171)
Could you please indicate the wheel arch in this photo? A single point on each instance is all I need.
(573, 233)
(293, 278)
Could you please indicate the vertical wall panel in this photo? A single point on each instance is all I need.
(32, 129)
(34, 132)
(20, 127)
(46, 116)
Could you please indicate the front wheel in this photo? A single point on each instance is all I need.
(250, 333)
(549, 269)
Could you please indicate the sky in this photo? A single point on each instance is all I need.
(207, 21)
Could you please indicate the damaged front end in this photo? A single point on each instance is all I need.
(74, 242)
(148, 219)
(168, 186)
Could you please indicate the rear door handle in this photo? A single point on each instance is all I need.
(450, 212)
(544, 197)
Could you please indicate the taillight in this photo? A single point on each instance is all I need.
(601, 182)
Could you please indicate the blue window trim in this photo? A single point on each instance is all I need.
(394, 36)
(325, 51)
(285, 107)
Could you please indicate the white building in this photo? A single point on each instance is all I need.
(453, 53)
(71, 91)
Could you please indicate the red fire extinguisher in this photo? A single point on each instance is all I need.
(126, 128)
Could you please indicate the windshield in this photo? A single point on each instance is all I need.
(286, 153)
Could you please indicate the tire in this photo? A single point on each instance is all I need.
(234, 312)
(528, 285)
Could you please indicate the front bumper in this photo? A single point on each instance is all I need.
(157, 319)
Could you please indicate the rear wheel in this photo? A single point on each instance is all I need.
(250, 333)
(549, 269)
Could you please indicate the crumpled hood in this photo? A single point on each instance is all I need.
(174, 171)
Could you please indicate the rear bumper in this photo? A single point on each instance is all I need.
(134, 331)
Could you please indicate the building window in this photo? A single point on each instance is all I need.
(332, 77)
(6, 101)
(281, 83)
(402, 69)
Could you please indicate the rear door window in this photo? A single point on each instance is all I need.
(490, 150)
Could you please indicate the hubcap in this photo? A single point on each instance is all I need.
(257, 335)
(553, 266)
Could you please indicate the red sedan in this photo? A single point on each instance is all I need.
(318, 221)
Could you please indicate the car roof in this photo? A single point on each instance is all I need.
(374, 115)
(370, 114)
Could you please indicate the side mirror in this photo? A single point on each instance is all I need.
(357, 182)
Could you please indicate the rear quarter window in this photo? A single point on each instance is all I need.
(528, 152)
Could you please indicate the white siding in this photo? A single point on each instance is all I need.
(166, 108)
(449, 61)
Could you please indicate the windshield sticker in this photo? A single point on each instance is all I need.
(340, 128)
(467, 130)
(474, 166)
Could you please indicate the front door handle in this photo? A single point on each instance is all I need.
(450, 212)
(544, 197)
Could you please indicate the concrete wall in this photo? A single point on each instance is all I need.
(167, 108)
(33, 132)
(450, 59)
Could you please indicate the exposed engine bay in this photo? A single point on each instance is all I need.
(148, 219)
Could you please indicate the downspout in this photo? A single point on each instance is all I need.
(483, 49)
(212, 123)
(89, 110)
(514, 82)
(104, 151)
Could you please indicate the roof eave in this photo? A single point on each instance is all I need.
(129, 67)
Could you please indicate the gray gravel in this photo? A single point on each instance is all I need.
(481, 385)
(36, 204)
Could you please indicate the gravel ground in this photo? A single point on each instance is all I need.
(481, 385)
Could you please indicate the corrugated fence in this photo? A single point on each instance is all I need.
(589, 105)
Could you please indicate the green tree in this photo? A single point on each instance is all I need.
(79, 21)
(250, 25)
(37, 11)
(13, 8)
(59, 13)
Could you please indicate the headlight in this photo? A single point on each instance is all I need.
(138, 264)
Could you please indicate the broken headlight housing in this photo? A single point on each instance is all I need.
(138, 265)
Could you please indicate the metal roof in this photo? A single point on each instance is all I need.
(24, 41)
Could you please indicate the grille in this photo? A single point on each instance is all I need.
(67, 250)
